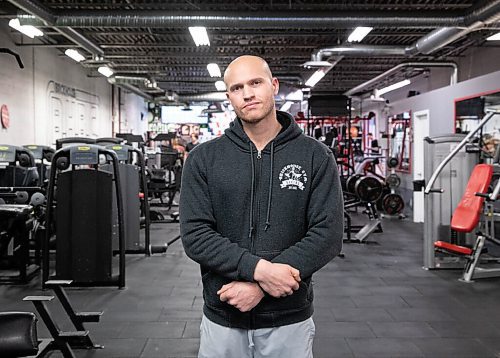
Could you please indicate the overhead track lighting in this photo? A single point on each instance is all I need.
(220, 85)
(359, 34)
(393, 87)
(495, 37)
(105, 71)
(27, 30)
(213, 70)
(315, 77)
(200, 36)
(286, 106)
(311, 64)
(74, 54)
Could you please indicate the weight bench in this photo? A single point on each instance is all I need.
(64, 341)
(18, 337)
(465, 219)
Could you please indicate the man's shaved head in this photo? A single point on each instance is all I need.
(246, 61)
(250, 87)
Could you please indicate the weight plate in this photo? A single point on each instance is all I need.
(392, 162)
(351, 183)
(393, 181)
(368, 189)
(393, 204)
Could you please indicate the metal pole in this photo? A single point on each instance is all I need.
(446, 160)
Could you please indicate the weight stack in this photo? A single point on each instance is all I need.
(84, 226)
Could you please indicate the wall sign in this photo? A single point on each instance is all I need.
(65, 90)
(4, 114)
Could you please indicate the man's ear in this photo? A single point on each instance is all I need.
(276, 85)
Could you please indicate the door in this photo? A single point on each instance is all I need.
(56, 116)
(420, 131)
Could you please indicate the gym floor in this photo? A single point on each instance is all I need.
(376, 302)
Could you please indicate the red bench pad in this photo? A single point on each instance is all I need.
(462, 250)
(466, 215)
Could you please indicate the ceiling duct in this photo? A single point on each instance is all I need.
(47, 18)
(204, 97)
(436, 39)
(259, 19)
(362, 87)
(175, 99)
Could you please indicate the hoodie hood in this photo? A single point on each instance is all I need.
(290, 130)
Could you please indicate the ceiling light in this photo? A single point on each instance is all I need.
(315, 78)
(286, 106)
(393, 87)
(495, 37)
(200, 36)
(220, 85)
(28, 30)
(74, 54)
(359, 34)
(310, 64)
(214, 70)
(105, 71)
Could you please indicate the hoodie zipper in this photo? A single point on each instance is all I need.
(258, 170)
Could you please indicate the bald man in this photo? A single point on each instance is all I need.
(261, 211)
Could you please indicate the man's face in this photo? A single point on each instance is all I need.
(251, 90)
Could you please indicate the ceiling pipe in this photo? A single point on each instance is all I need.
(436, 39)
(254, 19)
(373, 81)
(131, 88)
(173, 99)
(47, 18)
(357, 50)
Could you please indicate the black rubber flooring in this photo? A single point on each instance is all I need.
(376, 302)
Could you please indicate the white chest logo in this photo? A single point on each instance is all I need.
(293, 177)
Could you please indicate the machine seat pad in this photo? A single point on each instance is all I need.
(466, 215)
(18, 337)
(456, 249)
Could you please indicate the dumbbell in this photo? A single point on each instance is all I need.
(21, 197)
(37, 199)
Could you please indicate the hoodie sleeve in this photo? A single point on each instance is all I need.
(201, 241)
(325, 215)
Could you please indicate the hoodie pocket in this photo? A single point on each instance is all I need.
(211, 284)
(299, 300)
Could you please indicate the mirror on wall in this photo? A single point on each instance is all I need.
(399, 127)
(470, 110)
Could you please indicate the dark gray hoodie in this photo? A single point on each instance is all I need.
(238, 205)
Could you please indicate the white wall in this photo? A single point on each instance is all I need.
(40, 112)
(133, 108)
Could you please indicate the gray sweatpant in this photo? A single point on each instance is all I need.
(291, 341)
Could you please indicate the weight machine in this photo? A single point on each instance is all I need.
(451, 159)
(83, 212)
